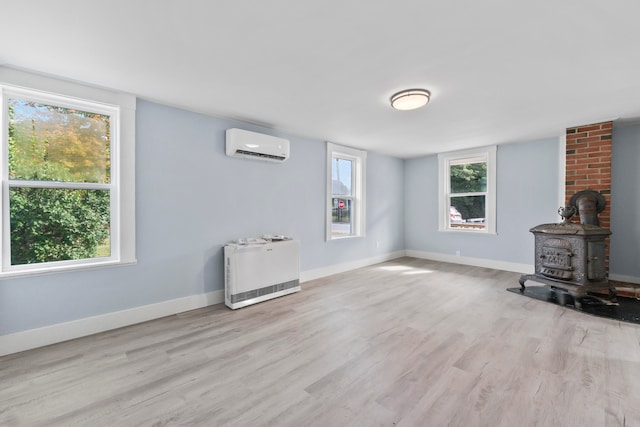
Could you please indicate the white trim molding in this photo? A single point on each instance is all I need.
(476, 262)
(358, 190)
(318, 273)
(39, 337)
(562, 169)
(625, 279)
(476, 155)
(33, 338)
(121, 108)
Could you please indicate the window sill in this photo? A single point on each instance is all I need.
(467, 231)
(333, 239)
(63, 269)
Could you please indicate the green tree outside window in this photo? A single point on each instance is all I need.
(48, 143)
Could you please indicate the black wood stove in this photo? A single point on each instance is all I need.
(571, 257)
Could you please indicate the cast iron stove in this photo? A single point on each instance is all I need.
(571, 257)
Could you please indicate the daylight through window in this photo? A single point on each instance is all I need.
(60, 173)
(345, 172)
(59, 182)
(467, 201)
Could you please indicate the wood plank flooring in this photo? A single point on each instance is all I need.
(408, 342)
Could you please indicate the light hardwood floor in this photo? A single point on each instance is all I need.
(408, 342)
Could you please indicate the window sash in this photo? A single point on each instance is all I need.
(357, 212)
(467, 223)
(476, 193)
(10, 92)
(353, 211)
(446, 160)
(352, 174)
(59, 184)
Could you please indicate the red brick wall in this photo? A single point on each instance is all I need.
(588, 165)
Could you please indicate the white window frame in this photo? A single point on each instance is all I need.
(121, 109)
(358, 171)
(445, 160)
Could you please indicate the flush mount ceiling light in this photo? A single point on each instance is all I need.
(410, 99)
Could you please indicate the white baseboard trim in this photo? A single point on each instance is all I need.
(623, 278)
(499, 265)
(476, 262)
(39, 337)
(317, 273)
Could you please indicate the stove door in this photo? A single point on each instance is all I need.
(556, 259)
(596, 269)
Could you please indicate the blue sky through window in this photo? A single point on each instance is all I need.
(341, 176)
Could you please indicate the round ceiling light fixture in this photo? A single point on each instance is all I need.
(410, 99)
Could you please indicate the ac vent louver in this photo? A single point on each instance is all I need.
(260, 155)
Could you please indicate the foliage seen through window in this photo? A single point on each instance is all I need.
(50, 146)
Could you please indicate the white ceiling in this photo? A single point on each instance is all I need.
(499, 71)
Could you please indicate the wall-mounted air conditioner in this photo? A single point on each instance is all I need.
(253, 145)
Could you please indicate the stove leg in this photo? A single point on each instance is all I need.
(613, 295)
(577, 302)
(522, 280)
(565, 297)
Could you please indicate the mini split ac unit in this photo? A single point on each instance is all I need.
(243, 143)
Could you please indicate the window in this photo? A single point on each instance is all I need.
(467, 191)
(67, 193)
(345, 192)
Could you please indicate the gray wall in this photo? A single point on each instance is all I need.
(527, 195)
(624, 255)
(191, 199)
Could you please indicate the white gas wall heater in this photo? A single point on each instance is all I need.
(261, 271)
